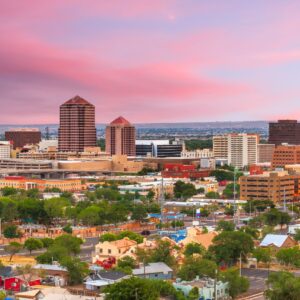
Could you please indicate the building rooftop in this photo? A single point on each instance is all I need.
(77, 100)
(152, 268)
(120, 121)
(274, 239)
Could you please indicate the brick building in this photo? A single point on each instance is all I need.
(285, 155)
(23, 136)
(77, 128)
(284, 131)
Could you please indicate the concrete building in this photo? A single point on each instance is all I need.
(199, 153)
(265, 153)
(284, 131)
(240, 149)
(5, 150)
(120, 138)
(158, 148)
(20, 137)
(77, 125)
(286, 155)
(275, 186)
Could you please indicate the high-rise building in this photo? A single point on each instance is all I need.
(77, 128)
(240, 149)
(120, 138)
(284, 131)
(5, 150)
(20, 137)
(265, 153)
(158, 148)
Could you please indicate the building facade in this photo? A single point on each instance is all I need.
(275, 186)
(286, 155)
(158, 148)
(5, 150)
(240, 149)
(77, 128)
(120, 138)
(23, 136)
(265, 153)
(284, 131)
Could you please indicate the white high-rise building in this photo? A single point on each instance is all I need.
(240, 149)
(5, 150)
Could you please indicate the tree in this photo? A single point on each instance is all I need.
(229, 245)
(194, 267)
(184, 190)
(54, 207)
(237, 284)
(150, 196)
(251, 231)
(33, 244)
(71, 243)
(77, 270)
(127, 262)
(8, 191)
(229, 190)
(212, 195)
(225, 226)
(67, 229)
(289, 256)
(54, 253)
(229, 210)
(11, 232)
(139, 213)
(297, 235)
(108, 237)
(47, 242)
(193, 248)
(258, 205)
(13, 248)
(131, 235)
(275, 217)
(31, 210)
(262, 254)
(141, 288)
(193, 294)
(2, 295)
(283, 285)
(90, 215)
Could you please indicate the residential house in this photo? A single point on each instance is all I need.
(196, 235)
(278, 241)
(21, 283)
(54, 274)
(33, 295)
(116, 249)
(158, 270)
(5, 272)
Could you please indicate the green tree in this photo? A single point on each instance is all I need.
(225, 226)
(131, 235)
(127, 262)
(108, 237)
(212, 195)
(251, 231)
(68, 229)
(150, 196)
(54, 207)
(90, 215)
(229, 245)
(47, 242)
(31, 210)
(139, 213)
(262, 254)
(11, 232)
(193, 248)
(33, 193)
(9, 191)
(13, 248)
(2, 295)
(32, 244)
(229, 190)
(297, 235)
(193, 267)
(237, 284)
(71, 243)
(289, 256)
(193, 294)
(283, 285)
(77, 270)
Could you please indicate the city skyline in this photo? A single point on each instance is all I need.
(151, 62)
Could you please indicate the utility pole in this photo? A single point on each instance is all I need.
(215, 285)
(0, 227)
(241, 264)
(162, 200)
(284, 200)
(234, 196)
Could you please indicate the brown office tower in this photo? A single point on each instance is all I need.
(284, 131)
(23, 136)
(120, 138)
(77, 125)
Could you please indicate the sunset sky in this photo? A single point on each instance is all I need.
(150, 60)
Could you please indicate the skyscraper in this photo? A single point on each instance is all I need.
(77, 125)
(284, 131)
(120, 138)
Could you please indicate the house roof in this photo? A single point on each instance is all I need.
(29, 294)
(50, 267)
(123, 243)
(120, 121)
(5, 271)
(77, 100)
(274, 239)
(152, 268)
(205, 239)
(111, 275)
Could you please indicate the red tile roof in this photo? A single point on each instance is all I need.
(120, 121)
(77, 100)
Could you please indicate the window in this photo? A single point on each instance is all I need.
(109, 251)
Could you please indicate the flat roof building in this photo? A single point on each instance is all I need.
(20, 137)
(286, 155)
(265, 153)
(284, 131)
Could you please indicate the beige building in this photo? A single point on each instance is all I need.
(240, 149)
(275, 186)
(116, 249)
(199, 153)
(265, 153)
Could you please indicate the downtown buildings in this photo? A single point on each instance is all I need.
(20, 137)
(238, 149)
(284, 131)
(77, 125)
(120, 138)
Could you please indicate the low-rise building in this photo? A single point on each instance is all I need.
(278, 241)
(274, 186)
(158, 270)
(286, 155)
(184, 171)
(265, 153)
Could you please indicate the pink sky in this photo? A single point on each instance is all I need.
(150, 61)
